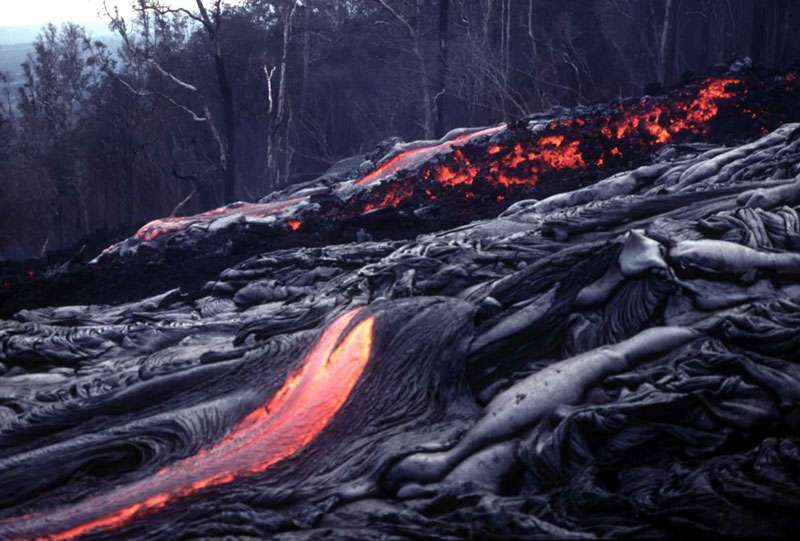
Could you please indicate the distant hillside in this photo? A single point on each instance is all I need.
(10, 35)
(11, 56)
(15, 44)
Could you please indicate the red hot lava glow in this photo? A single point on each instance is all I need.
(163, 226)
(296, 414)
(412, 158)
(561, 146)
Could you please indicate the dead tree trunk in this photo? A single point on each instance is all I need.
(427, 102)
(229, 122)
(278, 129)
(226, 137)
(415, 37)
(306, 57)
(212, 25)
(441, 96)
(768, 37)
(668, 45)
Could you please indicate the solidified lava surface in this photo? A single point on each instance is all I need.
(612, 351)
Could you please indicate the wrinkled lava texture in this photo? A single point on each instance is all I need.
(580, 324)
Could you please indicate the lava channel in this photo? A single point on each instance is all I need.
(296, 414)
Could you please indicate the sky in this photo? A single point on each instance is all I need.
(38, 12)
(20, 20)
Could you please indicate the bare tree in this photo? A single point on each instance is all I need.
(278, 111)
(415, 36)
(668, 43)
(768, 31)
(211, 21)
(441, 84)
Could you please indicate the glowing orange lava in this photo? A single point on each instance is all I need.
(296, 414)
(452, 177)
(389, 195)
(653, 121)
(522, 164)
(664, 120)
(413, 157)
(163, 226)
(294, 225)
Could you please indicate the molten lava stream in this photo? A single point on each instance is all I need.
(295, 415)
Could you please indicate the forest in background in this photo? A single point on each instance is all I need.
(198, 108)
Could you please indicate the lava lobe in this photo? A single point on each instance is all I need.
(293, 417)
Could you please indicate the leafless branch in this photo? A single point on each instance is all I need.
(402, 20)
(269, 72)
(171, 76)
(192, 193)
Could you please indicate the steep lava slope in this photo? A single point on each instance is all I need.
(620, 359)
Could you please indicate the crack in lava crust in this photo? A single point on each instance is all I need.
(296, 414)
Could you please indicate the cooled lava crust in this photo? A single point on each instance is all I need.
(617, 357)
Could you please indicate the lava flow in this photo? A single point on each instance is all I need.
(600, 138)
(162, 226)
(653, 121)
(478, 172)
(414, 157)
(296, 414)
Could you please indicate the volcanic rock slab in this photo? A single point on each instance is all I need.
(616, 360)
